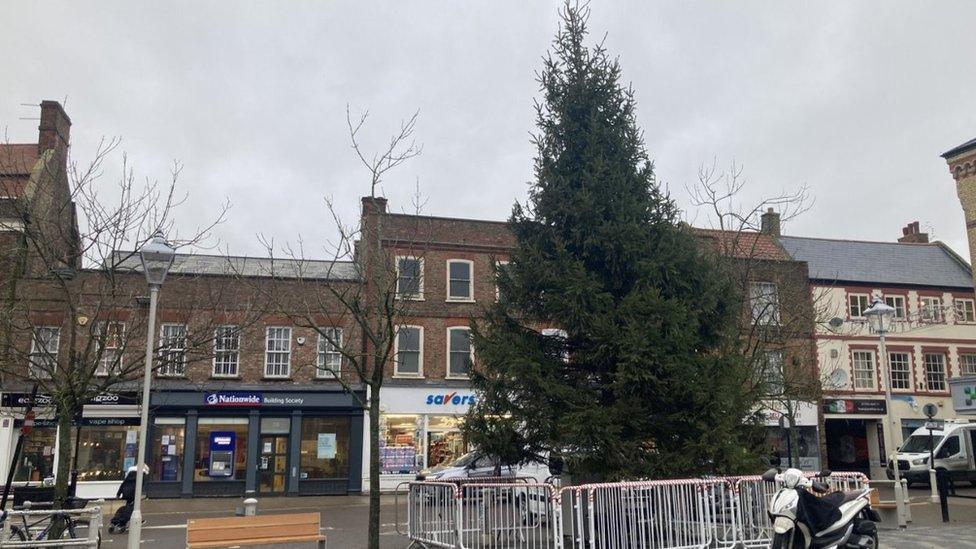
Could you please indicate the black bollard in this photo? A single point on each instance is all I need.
(942, 481)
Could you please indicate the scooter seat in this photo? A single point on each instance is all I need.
(850, 495)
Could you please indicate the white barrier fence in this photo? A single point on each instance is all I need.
(666, 514)
(31, 524)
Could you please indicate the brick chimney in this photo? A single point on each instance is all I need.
(54, 129)
(911, 234)
(374, 205)
(770, 223)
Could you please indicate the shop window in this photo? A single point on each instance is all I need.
(329, 357)
(857, 304)
(897, 302)
(325, 447)
(44, 352)
(277, 358)
(228, 461)
(444, 441)
(166, 450)
(172, 350)
(37, 455)
(863, 362)
(459, 356)
(409, 351)
(227, 348)
(931, 309)
(965, 311)
(401, 443)
(410, 277)
(105, 452)
(459, 276)
(935, 372)
(967, 364)
(764, 302)
(807, 448)
(901, 370)
(110, 340)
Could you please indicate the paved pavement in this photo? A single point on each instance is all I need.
(344, 519)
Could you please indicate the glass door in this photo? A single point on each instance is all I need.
(273, 464)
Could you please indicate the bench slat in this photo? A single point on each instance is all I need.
(256, 530)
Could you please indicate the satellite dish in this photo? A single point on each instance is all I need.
(838, 378)
(836, 322)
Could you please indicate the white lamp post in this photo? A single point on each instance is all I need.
(881, 315)
(157, 257)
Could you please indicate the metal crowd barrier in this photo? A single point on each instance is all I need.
(93, 516)
(720, 512)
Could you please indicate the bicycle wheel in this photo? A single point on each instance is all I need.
(16, 534)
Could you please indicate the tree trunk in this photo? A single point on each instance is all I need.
(374, 470)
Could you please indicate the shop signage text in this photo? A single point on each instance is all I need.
(255, 400)
(854, 406)
(450, 398)
(21, 400)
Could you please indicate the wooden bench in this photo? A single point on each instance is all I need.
(256, 530)
(888, 510)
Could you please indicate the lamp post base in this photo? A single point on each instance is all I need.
(135, 529)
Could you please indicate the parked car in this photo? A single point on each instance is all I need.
(954, 448)
(475, 465)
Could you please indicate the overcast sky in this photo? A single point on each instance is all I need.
(855, 99)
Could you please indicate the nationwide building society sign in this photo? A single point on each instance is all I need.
(234, 399)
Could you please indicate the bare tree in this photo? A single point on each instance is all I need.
(73, 317)
(781, 313)
(368, 294)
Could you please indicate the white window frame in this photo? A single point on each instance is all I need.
(498, 267)
(420, 353)
(893, 303)
(861, 307)
(43, 359)
(226, 354)
(327, 352)
(931, 375)
(907, 371)
(967, 367)
(450, 352)
(971, 310)
(286, 352)
(419, 296)
(447, 276)
(854, 369)
(166, 350)
(932, 311)
(768, 315)
(100, 330)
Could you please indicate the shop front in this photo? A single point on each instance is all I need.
(104, 440)
(805, 436)
(855, 432)
(420, 428)
(232, 443)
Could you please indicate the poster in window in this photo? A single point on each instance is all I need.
(326, 446)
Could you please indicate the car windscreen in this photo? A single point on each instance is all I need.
(465, 460)
(920, 443)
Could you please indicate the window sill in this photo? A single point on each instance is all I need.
(215, 376)
(410, 298)
(458, 378)
(171, 376)
(276, 378)
(408, 376)
(459, 300)
(328, 378)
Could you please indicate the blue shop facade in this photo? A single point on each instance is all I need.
(260, 441)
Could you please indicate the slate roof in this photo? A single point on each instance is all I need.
(932, 264)
(222, 265)
(971, 144)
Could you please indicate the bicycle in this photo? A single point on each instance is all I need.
(29, 531)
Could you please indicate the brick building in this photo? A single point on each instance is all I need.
(244, 396)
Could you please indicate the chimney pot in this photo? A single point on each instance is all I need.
(912, 233)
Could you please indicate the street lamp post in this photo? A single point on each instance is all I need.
(157, 257)
(881, 315)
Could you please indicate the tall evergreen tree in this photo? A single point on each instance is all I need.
(634, 378)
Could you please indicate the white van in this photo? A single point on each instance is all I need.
(954, 451)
